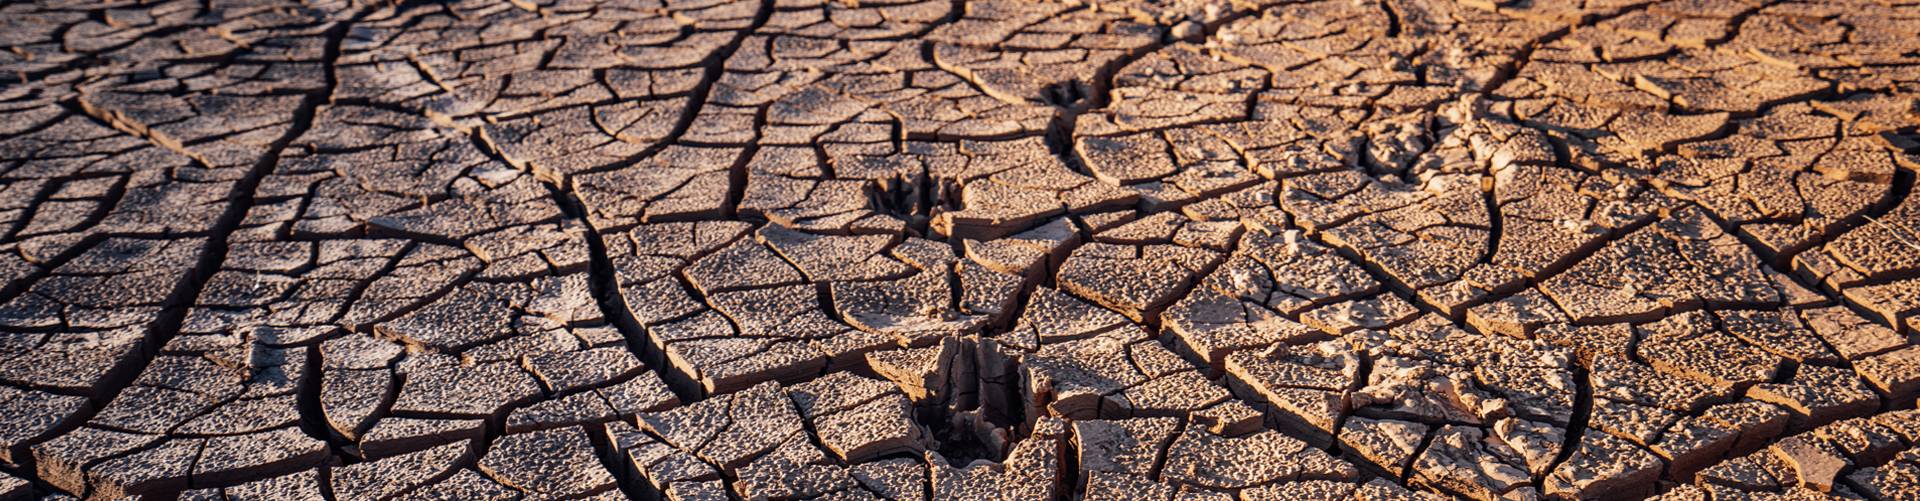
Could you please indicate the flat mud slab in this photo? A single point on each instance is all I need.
(960, 249)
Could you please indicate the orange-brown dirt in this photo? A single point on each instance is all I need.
(960, 249)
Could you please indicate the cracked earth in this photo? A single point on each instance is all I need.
(960, 249)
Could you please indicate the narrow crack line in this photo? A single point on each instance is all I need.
(186, 292)
(1393, 19)
(1582, 416)
(1901, 189)
(360, 288)
(91, 59)
(20, 286)
(1780, 262)
(313, 420)
(117, 120)
(1060, 132)
(604, 284)
(603, 279)
(1899, 194)
(930, 55)
(1496, 224)
(1407, 470)
(32, 208)
(1525, 56)
(1379, 274)
(79, 106)
(741, 169)
(1571, 260)
(715, 68)
(607, 451)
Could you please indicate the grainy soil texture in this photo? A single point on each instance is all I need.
(1072, 250)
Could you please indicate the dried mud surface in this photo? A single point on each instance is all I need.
(960, 249)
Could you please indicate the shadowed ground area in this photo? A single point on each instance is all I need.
(1076, 250)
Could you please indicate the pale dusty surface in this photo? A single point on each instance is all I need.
(960, 249)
